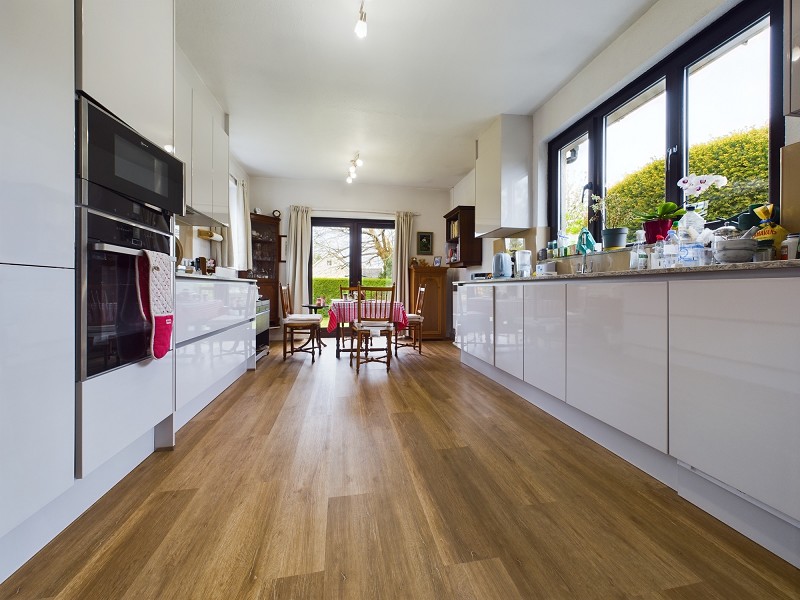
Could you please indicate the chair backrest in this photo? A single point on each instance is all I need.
(286, 300)
(346, 291)
(420, 300)
(375, 303)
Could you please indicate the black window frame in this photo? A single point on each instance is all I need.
(674, 70)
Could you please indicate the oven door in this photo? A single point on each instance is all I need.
(113, 155)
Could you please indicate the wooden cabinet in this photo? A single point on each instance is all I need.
(265, 235)
(502, 182)
(434, 327)
(462, 249)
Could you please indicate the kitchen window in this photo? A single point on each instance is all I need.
(712, 106)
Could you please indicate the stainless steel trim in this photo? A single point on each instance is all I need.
(81, 285)
(103, 247)
(83, 138)
(100, 213)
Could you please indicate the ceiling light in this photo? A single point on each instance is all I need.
(349, 179)
(359, 162)
(353, 168)
(353, 175)
(361, 24)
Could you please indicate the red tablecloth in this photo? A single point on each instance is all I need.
(345, 311)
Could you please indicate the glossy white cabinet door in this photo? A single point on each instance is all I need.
(477, 326)
(734, 351)
(545, 326)
(201, 364)
(37, 113)
(508, 326)
(617, 356)
(203, 306)
(221, 174)
(202, 154)
(116, 408)
(37, 389)
(183, 123)
(128, 61)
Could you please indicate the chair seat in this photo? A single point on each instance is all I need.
(414, 318)
(306, 319)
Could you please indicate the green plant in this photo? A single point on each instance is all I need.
(665, 210)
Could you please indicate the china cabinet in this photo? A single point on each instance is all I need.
(266, 240)
(462, 248)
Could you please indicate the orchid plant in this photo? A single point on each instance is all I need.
(694, 185)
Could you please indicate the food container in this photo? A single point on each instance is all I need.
(733, 251)
(789, 247)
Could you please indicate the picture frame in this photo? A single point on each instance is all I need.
(425, 242)
(437, 261)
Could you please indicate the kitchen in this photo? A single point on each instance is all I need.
(50, 260)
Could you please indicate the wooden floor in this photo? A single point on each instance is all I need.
(430, 481)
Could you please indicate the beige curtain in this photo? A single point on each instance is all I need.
(248, 246)
(298, 252)
(403, 225)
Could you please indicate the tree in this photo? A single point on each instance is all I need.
(378, 245)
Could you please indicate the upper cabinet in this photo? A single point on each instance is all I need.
(791, 35)
(502, 177)
(38, 108)
(126, 61)
(201, 141)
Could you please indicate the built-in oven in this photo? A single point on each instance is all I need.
(112, 329)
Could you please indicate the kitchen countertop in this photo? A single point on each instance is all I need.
(778, 267)
(211, 277)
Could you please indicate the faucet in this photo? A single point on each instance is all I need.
(584, 245)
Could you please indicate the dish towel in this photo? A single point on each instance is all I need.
(154, 285)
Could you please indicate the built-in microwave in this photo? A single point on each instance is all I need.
(114, 156)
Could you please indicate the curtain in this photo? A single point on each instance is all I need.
(298, 252)
(403, 224)
(248, 246)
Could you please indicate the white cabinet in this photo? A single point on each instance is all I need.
(38, 124)
(183, 126)
(735, 384)
(37, 389)
(221, 173)
(617, 356)
(476, 322)
(464, 191)
(126, 62)
(202, 154)
(203, 306)
(545, 326)
(508, 327)
(502, 177)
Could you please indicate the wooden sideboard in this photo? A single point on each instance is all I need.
(434, 327)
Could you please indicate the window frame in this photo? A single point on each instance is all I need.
(674, 70)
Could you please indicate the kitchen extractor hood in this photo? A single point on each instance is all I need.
(502, 177)
(196, 218)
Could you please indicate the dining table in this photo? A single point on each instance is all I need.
(346, 311)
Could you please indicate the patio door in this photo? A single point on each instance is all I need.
(347, 252)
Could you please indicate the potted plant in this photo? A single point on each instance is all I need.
(659, 221)
(613, 236)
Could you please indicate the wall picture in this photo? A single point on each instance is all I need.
(424, 242)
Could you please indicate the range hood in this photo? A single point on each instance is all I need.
(196, 218)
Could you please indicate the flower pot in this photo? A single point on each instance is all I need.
(616, 237)
(655, 228)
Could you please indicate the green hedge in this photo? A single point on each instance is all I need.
(329, 287)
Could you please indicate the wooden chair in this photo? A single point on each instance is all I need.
(346, 292)
(295, 323)
(374, 319)
(414, 328)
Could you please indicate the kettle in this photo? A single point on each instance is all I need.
(501, 265)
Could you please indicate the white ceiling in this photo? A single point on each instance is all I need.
(304, 94)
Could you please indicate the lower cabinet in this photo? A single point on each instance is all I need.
(544, 312)
(508, 329)
(476, 321)
(735, 384)
(617, 356)
(37, 389)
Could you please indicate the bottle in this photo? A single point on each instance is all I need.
(689, 228)
(639, 254)
(657, 255)
(671, 249)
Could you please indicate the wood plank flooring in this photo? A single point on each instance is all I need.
(427, 482)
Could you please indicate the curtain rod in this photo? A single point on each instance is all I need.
(352, 210)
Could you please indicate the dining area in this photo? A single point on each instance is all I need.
(368, 322)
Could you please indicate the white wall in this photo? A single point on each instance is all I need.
(355, 200)
(662, 29)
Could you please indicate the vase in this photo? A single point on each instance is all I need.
(615, 237)
(655, 228)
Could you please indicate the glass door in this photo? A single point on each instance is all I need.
(346, 252)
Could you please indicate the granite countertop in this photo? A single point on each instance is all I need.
(771, 266)
(182, 275)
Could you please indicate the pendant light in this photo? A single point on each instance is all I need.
(361, 24)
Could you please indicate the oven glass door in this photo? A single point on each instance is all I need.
(116, 330)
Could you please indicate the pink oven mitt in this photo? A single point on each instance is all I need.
(154, 284)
